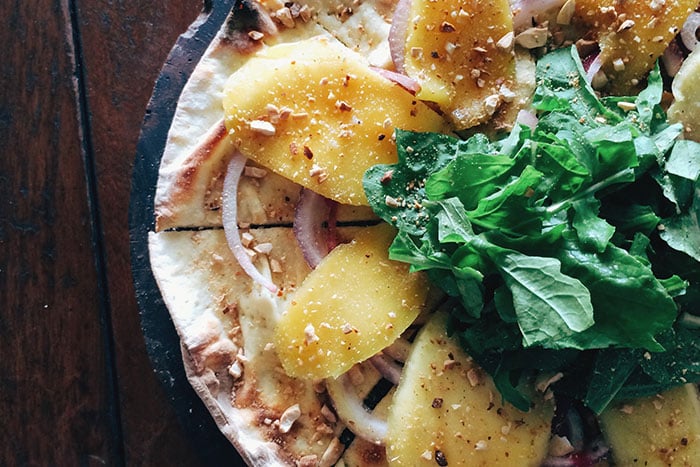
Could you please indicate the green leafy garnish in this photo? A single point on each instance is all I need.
(565, 247)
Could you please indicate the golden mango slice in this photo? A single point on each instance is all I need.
(655, 431)
(355, 303)
(632, 34)
(460, 51)
(315, 113)
(446, 411)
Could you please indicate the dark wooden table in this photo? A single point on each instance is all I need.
(76, 383)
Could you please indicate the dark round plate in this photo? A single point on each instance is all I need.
(161, 338)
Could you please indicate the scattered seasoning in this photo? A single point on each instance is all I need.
(447, 27)
(320, 173)
(440, 458)
(437, 403)
(308, 153)
(386, 177)
(343, 106)
(310, 334)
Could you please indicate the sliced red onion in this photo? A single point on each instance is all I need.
(527, 118)
(689, 32)
(398, 33)
(229, 213)
(352, 412)
(672, 58)
(593, 455)
(387, 367)
(592, 65)
(311, 212)
(398, 350)
(406, 82)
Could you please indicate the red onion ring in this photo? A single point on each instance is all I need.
(229, 213)
(593, 68)
(594, 454)
(352, 412)
(406, 82)
(527, 118)
(398, 33)
(387, 367)
(672, 58)
(689, 32)
(310, 213)
(398, 350)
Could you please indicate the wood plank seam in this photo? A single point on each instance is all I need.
(74, 41)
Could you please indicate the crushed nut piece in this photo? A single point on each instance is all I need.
(263, 248)
(235, 370)
(320, 173)
(247, 239)
(532, 38)
(288, 418)
(560, 446)
(392, 202)
(626, 24)
(506, 42)
(310, 334)
(284, 15)
(254, 172)
(256, 35)
(262, 127)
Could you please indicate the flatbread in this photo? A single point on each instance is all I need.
(224, 319)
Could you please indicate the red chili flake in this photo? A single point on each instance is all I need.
(307, 152)
(386, 178)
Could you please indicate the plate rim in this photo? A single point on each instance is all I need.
(161, 338)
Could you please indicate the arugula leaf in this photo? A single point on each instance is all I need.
(396, 192)
(546, 317)
(569, 247)
(611, 370)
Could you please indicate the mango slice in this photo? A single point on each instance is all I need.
(632, 34)
(447, 411)
(315, 113)
(460, 51)
(354, 304)
(655, 431)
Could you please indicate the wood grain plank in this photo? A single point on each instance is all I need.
(55, 397)
(124, 47)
